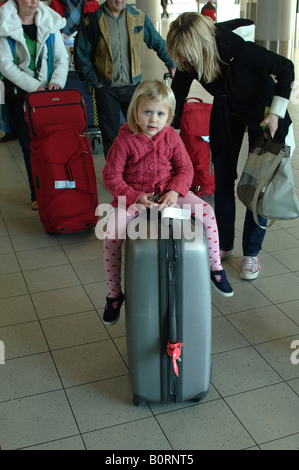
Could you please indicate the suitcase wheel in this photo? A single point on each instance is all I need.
(200, 396)
(95, 143)
(138, 401)
(95, 140)
(196, 400)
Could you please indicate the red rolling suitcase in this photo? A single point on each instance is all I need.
(61, 160)
(195, 129)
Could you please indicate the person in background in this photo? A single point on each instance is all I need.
(6, 128)
(7, 131)
(25, 25)
(164, 4)
(238, 74)
(209, 10)
(109, 52)
(73, 11)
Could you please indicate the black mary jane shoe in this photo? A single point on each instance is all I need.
(111, 315)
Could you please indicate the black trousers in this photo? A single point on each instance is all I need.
(112, 103)
(16, 110)
(226, 143)
(225, 154)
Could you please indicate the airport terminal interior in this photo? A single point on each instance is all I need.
(65, 384)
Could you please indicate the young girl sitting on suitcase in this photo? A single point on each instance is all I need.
(147, 158)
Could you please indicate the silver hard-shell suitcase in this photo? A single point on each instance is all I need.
(168, 312)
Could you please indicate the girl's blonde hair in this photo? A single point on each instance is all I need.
(151, 90)
(192, 36)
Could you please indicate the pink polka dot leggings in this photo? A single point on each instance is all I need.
(118, 223)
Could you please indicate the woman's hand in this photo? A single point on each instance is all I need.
(54, 86)
(272, 122)
(172, 72)
(169, 199)
(51, 86)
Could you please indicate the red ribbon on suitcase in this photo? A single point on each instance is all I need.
(174, 350)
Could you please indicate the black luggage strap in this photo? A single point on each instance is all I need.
(174, 349)
(171, 390)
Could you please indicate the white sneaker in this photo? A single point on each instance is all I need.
(250, 268)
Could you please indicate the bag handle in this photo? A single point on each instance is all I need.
(260, 187)
(194, 99)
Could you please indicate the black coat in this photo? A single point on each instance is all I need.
(244, 88)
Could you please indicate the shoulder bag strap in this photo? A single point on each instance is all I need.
(50, 45)
(264, 181)
(39, 63)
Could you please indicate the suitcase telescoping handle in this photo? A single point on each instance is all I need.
(166, 77)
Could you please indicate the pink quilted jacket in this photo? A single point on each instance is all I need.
(137, 164)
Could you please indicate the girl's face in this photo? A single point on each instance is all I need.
(152, 116)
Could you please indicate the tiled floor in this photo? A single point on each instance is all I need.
(65, 383)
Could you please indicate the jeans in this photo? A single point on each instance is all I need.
(111, 102)
(16, 110)
(225, 165)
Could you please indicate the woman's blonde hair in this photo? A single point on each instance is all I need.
(192, 36)
(151, 90)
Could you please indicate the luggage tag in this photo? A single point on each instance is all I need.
(65, 184)
(176, 213)
(172, 212)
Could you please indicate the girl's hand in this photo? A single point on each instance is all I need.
(144, 199)
(272, 122)
(169, 199)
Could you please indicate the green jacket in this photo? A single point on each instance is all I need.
(93, 48)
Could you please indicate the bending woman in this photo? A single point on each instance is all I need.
(238, 74)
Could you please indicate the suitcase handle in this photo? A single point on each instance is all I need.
(193, 99)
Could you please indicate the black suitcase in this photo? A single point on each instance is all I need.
(168, 313)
